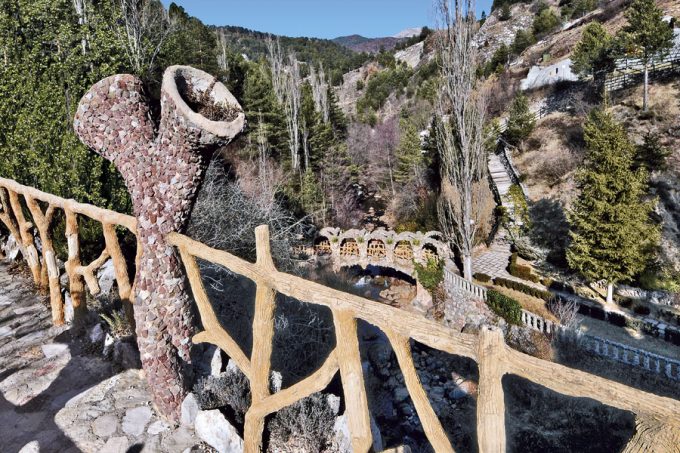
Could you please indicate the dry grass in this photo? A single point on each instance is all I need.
(529, 303)
(553, 152)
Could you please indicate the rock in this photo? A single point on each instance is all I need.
(5, 331)
(158, 427)
(126, 355)
(96, 334)
(11, 249)
(334, 403)
(68, 308)
(216, 362)
(275, 382)
(105, 426)
(190, 410)
(343, 441)
(400, 394)
(115, 445)
(54, 349)
(31, 447)
(135, 421)
(106, 276)
(108, 344)
(216, 431)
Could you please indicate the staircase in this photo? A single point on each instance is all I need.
(501, 180)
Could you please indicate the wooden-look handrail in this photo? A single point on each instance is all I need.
(494, 358)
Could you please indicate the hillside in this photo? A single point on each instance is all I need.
(336, 59)
(359, 43)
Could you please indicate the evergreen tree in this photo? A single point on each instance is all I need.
(593, 55)
(505, 14)
(482, 19)
(523, 39)
(545, 22)
(651, 154)
(409, 154)
(521, 121)
(610, 228)
(648, 35)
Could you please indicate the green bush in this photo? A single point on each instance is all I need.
(379, 88)
(430, 275)
(504, 306)
(480, 277)
(526, 289)
(520, 271)
(545, 22)
(360, 85)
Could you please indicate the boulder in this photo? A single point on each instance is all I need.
(69, 312)
(11, 248)
(106, 277)
(343, 441)
(126, 355)
(190, 410)
(215, 430)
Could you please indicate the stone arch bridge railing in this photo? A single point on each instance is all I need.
(380, 247)
(657, 416)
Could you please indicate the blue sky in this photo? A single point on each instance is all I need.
(317, 18)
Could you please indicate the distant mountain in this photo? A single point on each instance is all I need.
(408, 33)
(360, 43)
(336, 58)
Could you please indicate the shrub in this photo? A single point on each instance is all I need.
(520, 271)
(526, 289)
(642, 310)
(505, 307)
(430, 275)
(521, 121)
(306, 425)
(360, 85)
(616, 319)
(228, 389)
(545, 22)
(482, 277)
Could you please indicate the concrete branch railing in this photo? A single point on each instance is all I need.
(488, 349)
(453, 281)
(538, 323)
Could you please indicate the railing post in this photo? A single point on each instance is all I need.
(76, 281)
(263, 335)
(356, 401)
(26, 238)
(490, 402)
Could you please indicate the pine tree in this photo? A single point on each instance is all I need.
(593, 53)
(610, 228)
(409, 154)
(521, 121)
(648, 34)
(651, 154)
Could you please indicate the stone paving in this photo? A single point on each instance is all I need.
(55, 396)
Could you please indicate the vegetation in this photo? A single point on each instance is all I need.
(526, 289)
(651, 155)
(520, 271)
(431, 274)
(545, 22)
(646, 35)
(612, 235)
(504, 306)
(379, 88)
(521, 121)
(593, 55)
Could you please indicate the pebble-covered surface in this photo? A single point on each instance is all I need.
(163, 173)
(56, 397)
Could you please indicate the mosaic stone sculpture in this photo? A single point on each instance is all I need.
(163, 172)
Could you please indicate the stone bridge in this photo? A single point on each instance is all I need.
(380, 247)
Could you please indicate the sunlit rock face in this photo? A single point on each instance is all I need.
(163, 171)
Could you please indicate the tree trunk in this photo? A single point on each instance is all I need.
(645, 105)
(467, 267)
(610, 293)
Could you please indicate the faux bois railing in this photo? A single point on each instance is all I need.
(488, 349)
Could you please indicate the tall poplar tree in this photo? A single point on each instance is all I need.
(610, 227)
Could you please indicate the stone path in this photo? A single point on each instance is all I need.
(501, 180)
(57, 397)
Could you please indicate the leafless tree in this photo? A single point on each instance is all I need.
(145, 25)
(81, 11)
(566, 312)
(277, 67)
(460, 115)
(222, 59)
(320, 91)
(292, 102)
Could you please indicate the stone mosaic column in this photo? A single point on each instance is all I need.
(163, 171)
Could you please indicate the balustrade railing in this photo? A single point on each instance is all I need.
(488, 349)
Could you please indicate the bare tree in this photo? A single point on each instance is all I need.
(566, 312)
(145, 25)
(320, 91)
(277, 67)
(292, 103)
(460, 115)
(81, 11)
(222, 59)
